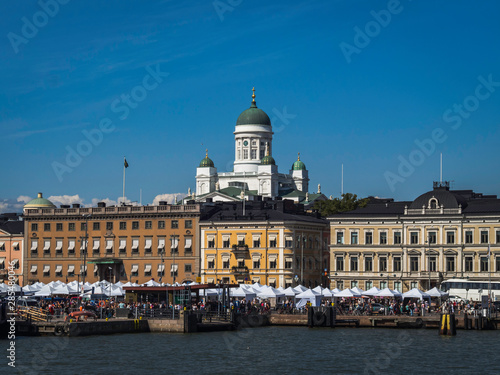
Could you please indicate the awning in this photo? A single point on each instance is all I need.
(189, 243)
(149, 244)
(135, 268)
(175, 243)
(226, 257)
(288, 259)
(46, 268)
(109, 244)
(135, 244)
(174, 268)
(58, 268)
(16, 262)
(147, 268)
(288, 238)
(97, 243)
(34, 245)
(2, 261)
(95, 268)
(161, 243)
(211, 237)
(241, 237)
(273, 256)
(59, 244)
(161, 267)
(83, 268)
(16, 245)
(210, 257)
(256, 256)
(256, 237)
(83, 245)
(46, 245)
(71, 245)
(71, 268)
(210, 280)
(123, 244)
(2, 244)
(33, 269)
(226, 237)
(272, 237)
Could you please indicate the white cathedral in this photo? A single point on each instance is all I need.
(255, 172)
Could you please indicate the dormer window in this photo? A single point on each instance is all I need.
(433, 203)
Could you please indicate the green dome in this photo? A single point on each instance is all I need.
(298, 165)
(39, 202)
(207, 162)
(267, 160)
(253, 115)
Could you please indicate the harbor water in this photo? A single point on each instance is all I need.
(282, 350)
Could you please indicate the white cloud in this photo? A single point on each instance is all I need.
(170, 198)
(10, 205)
(24, 198)
(65, 199)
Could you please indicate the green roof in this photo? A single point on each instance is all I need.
(298, 165)
(253, 116)
(268, 160)
(207, 162)
(39, 202)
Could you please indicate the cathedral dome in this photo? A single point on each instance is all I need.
(207, 162)
(298, 165)
(253, 115)
(267, 160)
(39, 202)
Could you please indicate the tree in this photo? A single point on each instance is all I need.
(347, 202)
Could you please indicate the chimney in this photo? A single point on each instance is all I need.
(101, 204)
(76, 205)
(163, 203)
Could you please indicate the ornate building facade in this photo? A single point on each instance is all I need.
(442, 234)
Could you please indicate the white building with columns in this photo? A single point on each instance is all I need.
(255, 172)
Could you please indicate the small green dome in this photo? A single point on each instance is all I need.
(39, 202)
(253, 115)
(267, 160)
(298, 165)
(207, 162)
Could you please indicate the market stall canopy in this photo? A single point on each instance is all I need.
(289, 292)
(416, 293)
(270, 292)
(348, 293)
(372, 291)
(435, 292)
(386, 292)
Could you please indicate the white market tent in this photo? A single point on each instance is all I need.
(335, 291)
(151, 283)
(241, 292)
(64, 290)
(435, 292)
(347, 293)
(386, 292)
(358, 290)
(289, 292)
(300, 288)
(416, 293)
(308, 296)
(270, 292)
(372, 291)
(45, 291)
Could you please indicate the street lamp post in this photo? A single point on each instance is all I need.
(85, 250)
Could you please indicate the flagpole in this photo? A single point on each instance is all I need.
(123, 196)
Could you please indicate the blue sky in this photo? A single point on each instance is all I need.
(399, 83)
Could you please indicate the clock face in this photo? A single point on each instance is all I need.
(245, 143)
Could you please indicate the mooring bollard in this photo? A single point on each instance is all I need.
(448, 325)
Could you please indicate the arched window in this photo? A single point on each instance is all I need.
(433, 203)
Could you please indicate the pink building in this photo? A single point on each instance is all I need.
(11, 247)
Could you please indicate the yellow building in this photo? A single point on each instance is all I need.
(272, 242)
(124, 243)
(442, 234)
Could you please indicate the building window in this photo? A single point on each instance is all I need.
(188, 224)
(149, 224)
(413, 264)
(226, 243)
(272, 263)
(383, 238)
(368, 238)
(288, 243)
(272, 242)
(383, 284)
(46, 270)
(256, 264)
(432, 237)
(368, 285)
(450, 264)
(484, 264)
(354, 284)
(414, 238)
(225, 263)
(288, 263)
(354, 263)
(71, 227)
(450, 237)
(340, 237)
(354, 238)
(174, 224)
(96, 226)
(469, 263)
(396, 263)
(59, 227)
(368, 264)
(83, 226)
(123, 225)
(245, 154)
(46, 227)
(161, 224)
(109, 225)
(135, 270)
(397, 238)
(468, 236)
(135, 225)
(497, 235)
(211, 243)
(211, 264)
(432, 264)
(382, 264)
(34, 227)
(484, 236)
(340, 263)
(497, 261)
(256, 243)
(414, 284)
(187, 268)
(397, 286)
